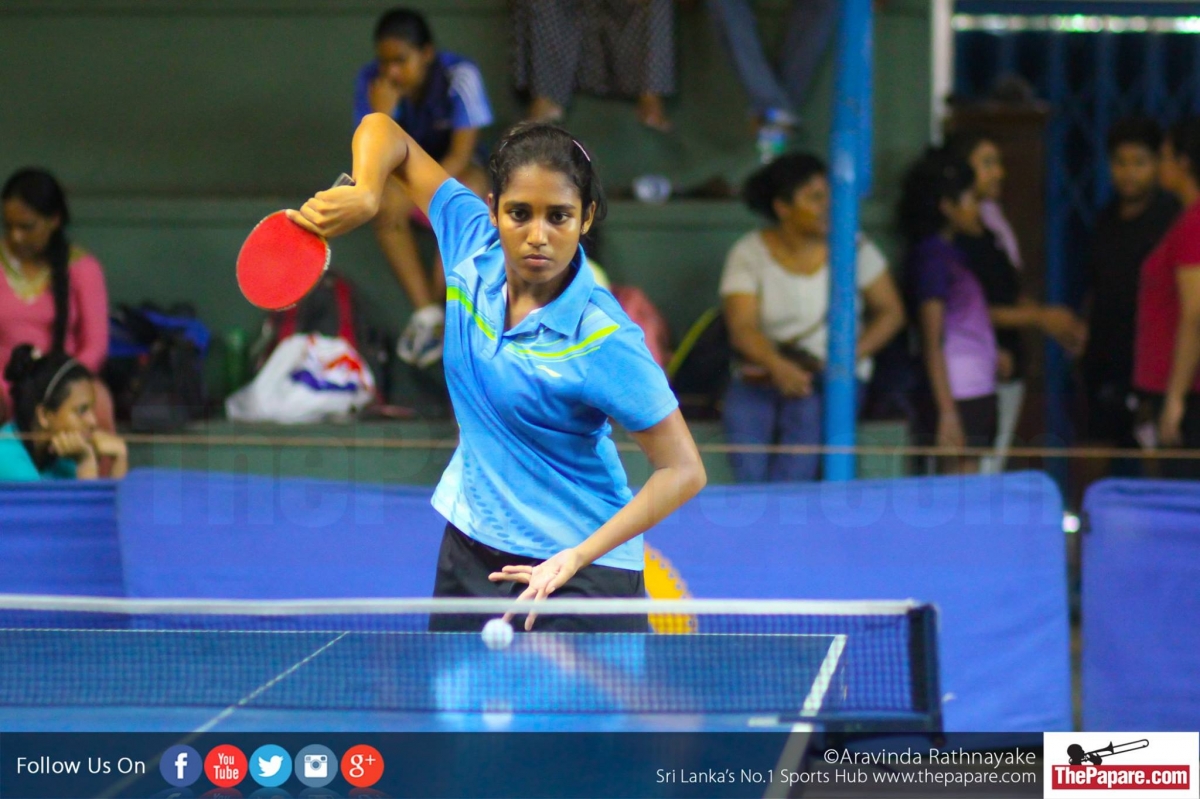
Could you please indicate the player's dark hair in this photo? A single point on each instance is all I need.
(1184, 137)
(938, 175)
(550, 147)
(779, 180)
(406, 25)
(44, 381)
(1141, 131)
(39, 190)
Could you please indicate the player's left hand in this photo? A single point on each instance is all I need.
(541, 580)
(336, 211)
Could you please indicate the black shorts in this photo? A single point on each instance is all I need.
(980, 418)
(463, 568)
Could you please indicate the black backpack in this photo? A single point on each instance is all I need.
(699, 370)
(156, 367)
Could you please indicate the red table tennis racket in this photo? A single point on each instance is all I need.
(280, 262)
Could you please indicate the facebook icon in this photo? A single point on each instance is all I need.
(181, 766)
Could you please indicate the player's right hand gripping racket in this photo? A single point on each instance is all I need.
(280, 262)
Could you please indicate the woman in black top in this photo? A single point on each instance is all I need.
(1011, 311)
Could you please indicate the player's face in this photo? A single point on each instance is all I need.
(404, 65)
(1172, 169)
(77, 414)
(808, 212)
(540, 219)
(26, 232)
(1134, 169)
(989, 170)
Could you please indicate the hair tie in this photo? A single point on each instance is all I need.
(62, 370)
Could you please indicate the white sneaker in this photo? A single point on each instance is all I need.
(421, 343)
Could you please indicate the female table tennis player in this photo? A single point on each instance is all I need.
(537, 360)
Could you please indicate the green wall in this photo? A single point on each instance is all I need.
(400, 453)
(177, 124)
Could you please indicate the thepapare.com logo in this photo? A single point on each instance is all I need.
(1122, 764)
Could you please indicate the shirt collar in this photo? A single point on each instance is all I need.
(565, 312)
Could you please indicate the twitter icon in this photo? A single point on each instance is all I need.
(270, 765)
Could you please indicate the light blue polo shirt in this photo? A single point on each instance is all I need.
(535, 471)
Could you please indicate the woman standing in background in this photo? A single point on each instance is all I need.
(956, 406)
(1167, 346)
(991, 253)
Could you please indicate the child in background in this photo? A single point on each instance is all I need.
(54, 396)
(957, 406)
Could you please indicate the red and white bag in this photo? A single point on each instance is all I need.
(307, 378)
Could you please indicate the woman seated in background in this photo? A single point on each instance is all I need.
(956, 404)
(53, 295)
(775, 296)
(53, 399)
(440, 99)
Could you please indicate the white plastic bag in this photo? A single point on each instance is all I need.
(307, 378)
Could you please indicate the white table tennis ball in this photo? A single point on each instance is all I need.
(497, 634)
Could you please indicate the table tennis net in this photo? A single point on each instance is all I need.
(788, 658)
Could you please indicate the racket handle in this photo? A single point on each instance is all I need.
(343, 180)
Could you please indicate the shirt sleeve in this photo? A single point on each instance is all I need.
(469, 97)
(871, 263)
(89, 301)
(743, 270)
(460, 222)
(1187, 243)
(625, 383)
(362, 101)
(930, 275)
(15, 463)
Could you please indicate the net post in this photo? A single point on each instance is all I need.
(923, 661)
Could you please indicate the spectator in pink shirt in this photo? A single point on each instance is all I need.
(53, 295)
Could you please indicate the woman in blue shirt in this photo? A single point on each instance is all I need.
(440, 99)
(538, 358)
(53, 398)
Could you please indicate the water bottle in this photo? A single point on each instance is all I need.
(235, 359)
(772, 141)
(654, 189)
